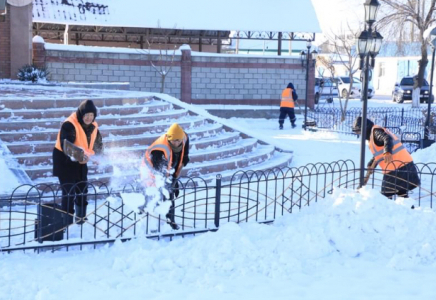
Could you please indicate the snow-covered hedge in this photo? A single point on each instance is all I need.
(32, 73)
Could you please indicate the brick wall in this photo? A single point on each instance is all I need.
(5, 46)
(194, 78)
(244, 80)
(135, 68)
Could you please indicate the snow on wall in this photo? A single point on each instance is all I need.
(279, 15)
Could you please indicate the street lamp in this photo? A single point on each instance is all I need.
(431, 34)
(368, 45)
(305, 62)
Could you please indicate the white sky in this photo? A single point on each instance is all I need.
(334, 14)
(351, 245)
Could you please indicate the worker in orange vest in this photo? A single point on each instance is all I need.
(165, 158)
(81, 129)
(400, 174)
(287, 104)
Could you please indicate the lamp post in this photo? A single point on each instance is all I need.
(426, 141)
(305, 62)
(368, 45)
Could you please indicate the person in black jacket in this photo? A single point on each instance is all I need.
(166, 157)
(81, 129)
(400, 174)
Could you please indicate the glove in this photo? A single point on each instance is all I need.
(388, 158)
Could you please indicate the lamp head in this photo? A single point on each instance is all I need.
(364, 43)
(371, 9)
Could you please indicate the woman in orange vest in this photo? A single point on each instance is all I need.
(287, 104)
(80, 129)
(400, 174)
(167, 156)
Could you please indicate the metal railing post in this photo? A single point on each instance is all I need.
(217, 201)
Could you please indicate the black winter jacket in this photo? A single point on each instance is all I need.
(63, 166)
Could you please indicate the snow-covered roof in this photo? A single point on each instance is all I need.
(244, 15)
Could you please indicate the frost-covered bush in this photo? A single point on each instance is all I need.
(32, 73)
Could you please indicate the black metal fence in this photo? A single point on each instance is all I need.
(408, 124)
(32, 220)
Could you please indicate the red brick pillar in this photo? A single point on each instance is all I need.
(186, 74)
(20, 34)
(5, 44)
(38, 57)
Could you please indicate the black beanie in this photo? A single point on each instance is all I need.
(85, 107)
(357, 126)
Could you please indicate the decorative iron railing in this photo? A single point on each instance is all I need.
(408, 120)
(32, 219)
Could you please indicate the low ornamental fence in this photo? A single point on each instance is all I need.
(407, 124)
(31, 218)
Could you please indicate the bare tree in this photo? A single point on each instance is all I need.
(163, 61)
(405, 21)
(343, 44)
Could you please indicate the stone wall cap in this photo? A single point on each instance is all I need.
(38, 40)
(19, 3)
(185, 47)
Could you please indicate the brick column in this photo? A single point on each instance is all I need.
(38, 51)
(186, 74)
(21, 37)
(5, 44)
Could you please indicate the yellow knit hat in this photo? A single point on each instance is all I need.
(175, 132)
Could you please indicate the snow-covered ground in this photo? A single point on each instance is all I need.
(351, 245)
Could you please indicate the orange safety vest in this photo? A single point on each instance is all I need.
(287, 100)
(163, 145)
(81, 139)
(400, 155)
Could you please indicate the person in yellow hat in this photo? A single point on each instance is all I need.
(167, 156)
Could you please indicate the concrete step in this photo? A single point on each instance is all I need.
(40, 165)
(156, 128)
(45, 103)
(216, 140)
(208, 170)
(152, 107)
(36, 125)
(137, 151)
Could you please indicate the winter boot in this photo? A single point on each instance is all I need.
(281, 127)
(171, 221)
(293, 125)
(81, 214)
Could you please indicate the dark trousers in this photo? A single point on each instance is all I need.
(73, 192)
(287, 111)
(399, 182)
(173, 194)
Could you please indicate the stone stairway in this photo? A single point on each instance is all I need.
(128, 124)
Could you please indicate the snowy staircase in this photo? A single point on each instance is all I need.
(29, 127)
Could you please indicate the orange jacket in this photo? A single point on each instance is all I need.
(163, 145)
(287, 99)
(81, 139)
(400, 155)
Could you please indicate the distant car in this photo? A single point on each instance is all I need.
(344, 87)
(325, 89)
(403, 91)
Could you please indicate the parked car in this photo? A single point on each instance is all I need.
(403, 91)
(325, 89)
(344, 86)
